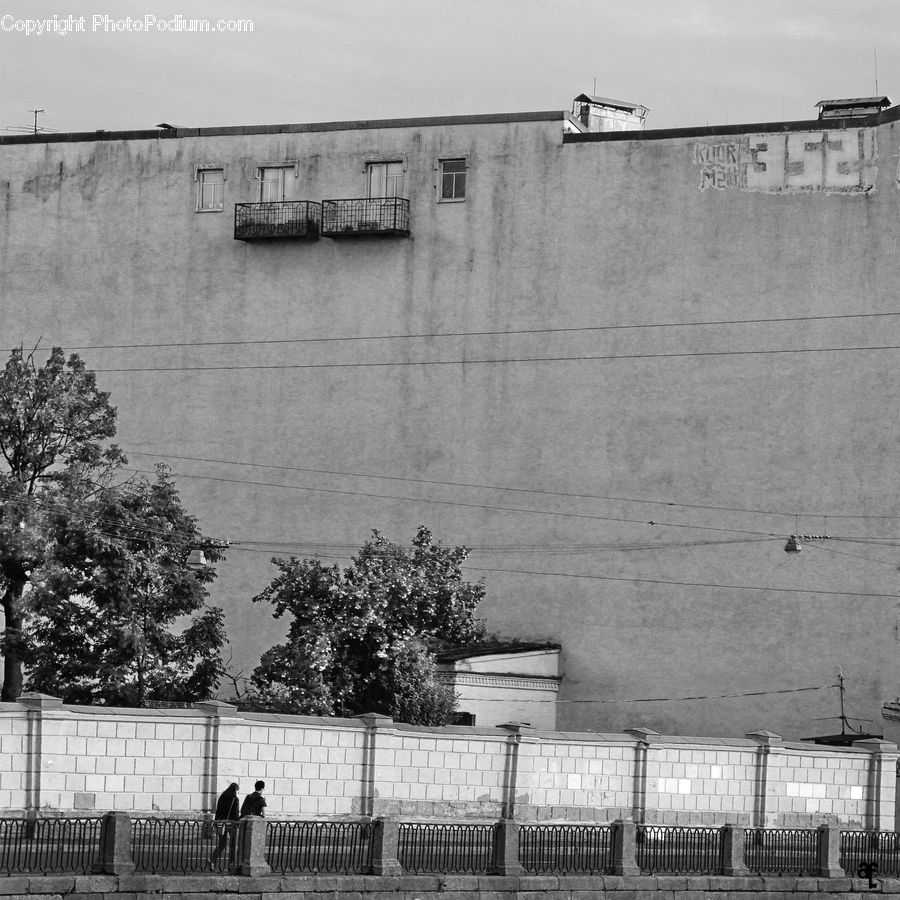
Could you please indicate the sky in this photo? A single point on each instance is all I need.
(692, 62)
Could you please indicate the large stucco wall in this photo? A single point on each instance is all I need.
(175, 762)
(685, 594)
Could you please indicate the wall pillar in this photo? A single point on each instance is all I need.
(252, 842)
(625, 848)
(374, 723)
(765, 740)
(519, 730)
(829, 852)
(116, 850)
(215, 709)
(732, 844)
(35, 704)
(645, 737)
(506, 848)
(881, 798)
(385, 847)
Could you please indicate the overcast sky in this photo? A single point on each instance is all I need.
(693, 62)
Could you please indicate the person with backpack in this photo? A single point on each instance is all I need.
(226, 813)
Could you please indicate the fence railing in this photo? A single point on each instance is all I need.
(335, 847)
(566, 849)
(365, 216)
(117, 844)
(447, 849)
(296, 219)
(42, 846)
(862, 848)
(182, 845)
(782, 851)
(691, 851)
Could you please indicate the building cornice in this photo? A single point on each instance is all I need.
(486, 679)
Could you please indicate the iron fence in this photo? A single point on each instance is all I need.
(860, 848)
(183, 845)
(297, 219)
(365, 216)
(566, 849)
(40, 846)
(336, 847)
(781, 851)
(675, 849)
(463, 849)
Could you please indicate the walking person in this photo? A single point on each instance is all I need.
(254, 804)
(227, 812)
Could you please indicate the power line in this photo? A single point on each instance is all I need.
(491, 333)
(496, 487)
(497, 361)
(461, 503)
(704, 584)
(636, 580)
(823, 687)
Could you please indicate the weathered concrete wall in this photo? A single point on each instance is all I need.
(441, 887)
(71, 758)
(676, 589)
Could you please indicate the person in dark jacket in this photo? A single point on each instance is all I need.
(254, 804)
(226, 813)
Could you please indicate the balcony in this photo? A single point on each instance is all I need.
(297, 220)
(378, 216)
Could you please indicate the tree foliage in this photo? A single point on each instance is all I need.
(107, 610)
(358, 637)
(53, 425)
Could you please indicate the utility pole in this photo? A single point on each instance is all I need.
(36, 113)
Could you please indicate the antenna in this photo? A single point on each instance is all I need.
(845, 724)
(875, 52)
(34, 128)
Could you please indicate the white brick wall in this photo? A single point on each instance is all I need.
(176, 761)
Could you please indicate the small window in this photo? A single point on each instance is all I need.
(384, 179)
(210, 190)
(453, 179)
(272, 184)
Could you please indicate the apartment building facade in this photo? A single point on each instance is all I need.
(622, 366)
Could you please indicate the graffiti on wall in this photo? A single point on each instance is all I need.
(795, 162)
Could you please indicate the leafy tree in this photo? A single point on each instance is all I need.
(53, 425)
(110, 594)
(358, 637)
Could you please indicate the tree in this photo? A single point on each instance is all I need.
(358, 638)
(53, 424)
(106, 601)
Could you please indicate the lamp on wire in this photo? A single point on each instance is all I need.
(197, 558)
(794, 542)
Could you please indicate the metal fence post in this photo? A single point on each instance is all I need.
(625, 848)
(385, 845)
(733, 851)
(829, 852)
(506, 848)
(116, 856)
(252, 841)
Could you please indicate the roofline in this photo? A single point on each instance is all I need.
(554, 115)
(657, 134)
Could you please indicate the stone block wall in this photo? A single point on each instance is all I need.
(87, 760)
(592, 777)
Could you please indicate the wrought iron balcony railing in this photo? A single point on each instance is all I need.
(298, 220)
(369, 216)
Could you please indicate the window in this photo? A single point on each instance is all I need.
(210, 190)
(384, 179)
(271, 184)
(453, 179)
